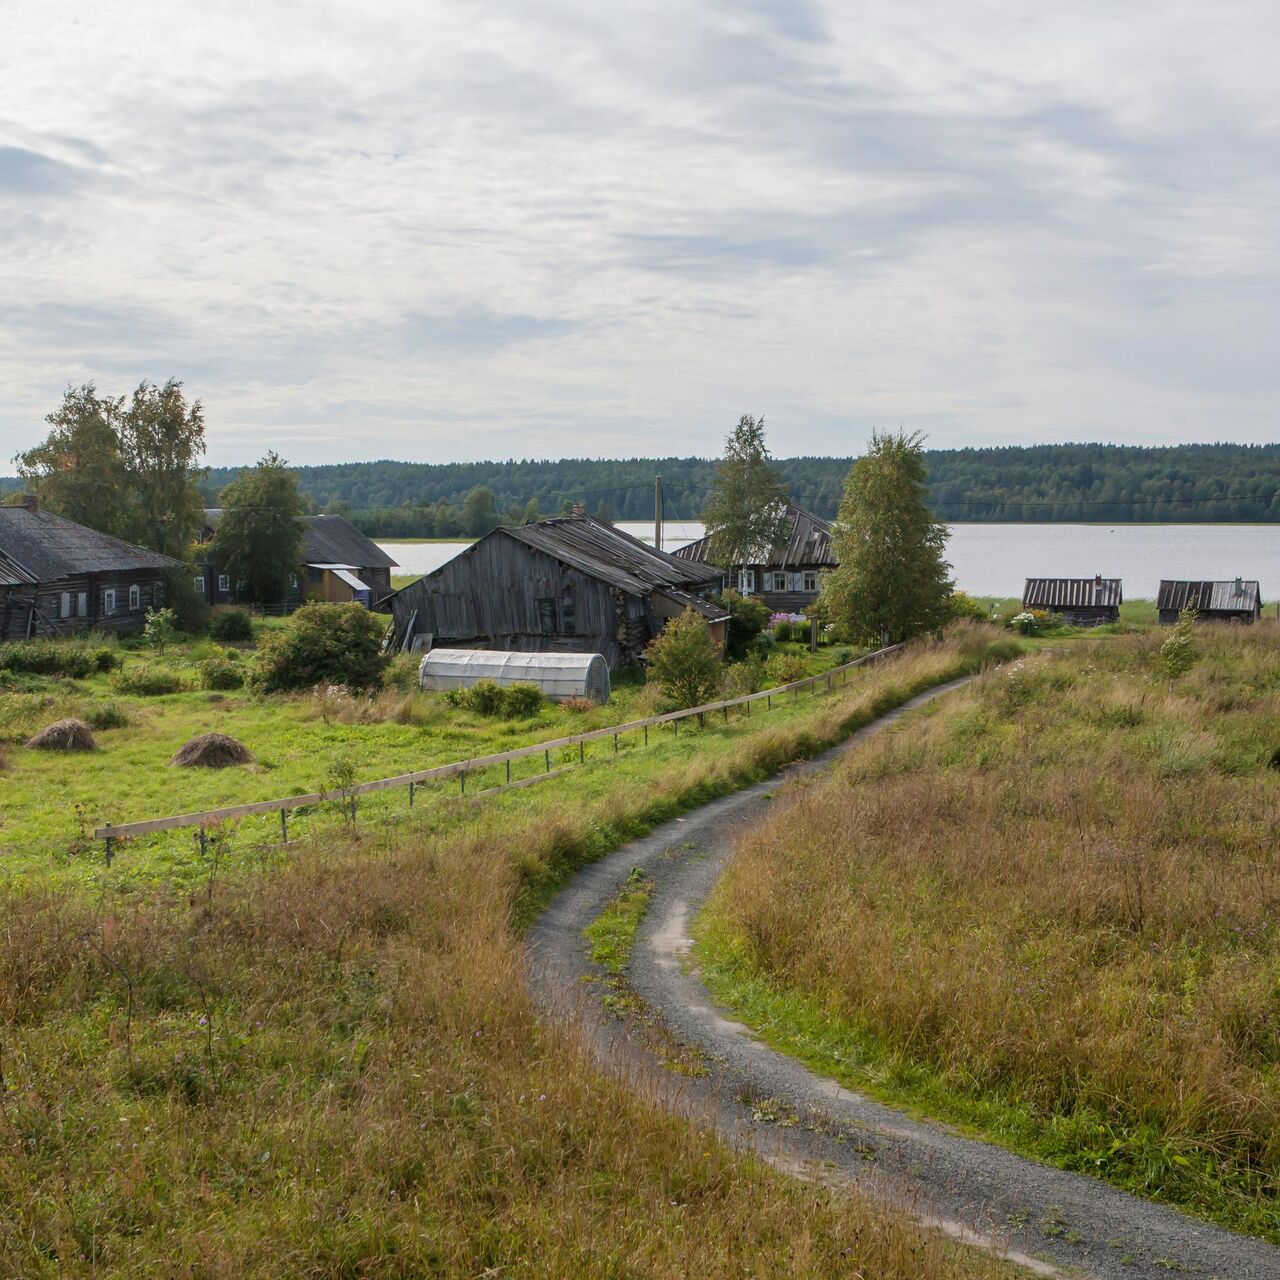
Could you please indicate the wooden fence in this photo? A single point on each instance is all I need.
(459, 769)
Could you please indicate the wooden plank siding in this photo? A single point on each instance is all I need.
(79, 603)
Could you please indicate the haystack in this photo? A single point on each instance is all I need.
(64, 735)
(211, 751)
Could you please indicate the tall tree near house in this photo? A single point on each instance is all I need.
(162, 440)
(892, 581)
(746, 512)
(479, 515)
(80, 470)
(259, 538)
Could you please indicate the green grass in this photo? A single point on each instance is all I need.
(612, 933)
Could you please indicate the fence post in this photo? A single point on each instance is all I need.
(110, 842)
(582, 751)
(462, 778)
(646, 735)
(284, 826)
(203, 843)
(410, 793)
(675, 728)
(547, 758)
(508, 773)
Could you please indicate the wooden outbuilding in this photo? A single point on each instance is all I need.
(786, 576)
(567, 585)
(339, 565)
(1233, 600)
(58, 577)
(1083, 602)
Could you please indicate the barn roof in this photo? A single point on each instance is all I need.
(808, 541)
(37, 546)
(330, 540)
(1072, 593)
(1237, 595)
(611, 555)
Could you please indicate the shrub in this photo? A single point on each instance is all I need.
(402, 672)
(146, 683)
(44, 658)
(323, 644)
(783, 668)
(579, 706)
(231, 624)
(744, 677)
(486, 697)
(161, 628)
(747, 619)
(962, 605)
(1178, 654)
(1030, 622)
(220, 673)
(684, 661)
(840, 655)
(522, 700)
(107, 715)
(783, 630)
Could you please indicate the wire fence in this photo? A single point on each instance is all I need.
(348, 795)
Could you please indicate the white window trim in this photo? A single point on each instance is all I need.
(809, 580)
(109, 600)
(135, 598)
(199, 583)
(746, 581)
(64, 605)
(224, 582)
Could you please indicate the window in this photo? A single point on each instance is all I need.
(567, 611)
(547, 615)
(746, 581)
(82, 604)
(811, 580)
(293, 582)
(775, 580)
(135, 598)
(64, 605)
(109, 600)
(199, 585)
(224, 582)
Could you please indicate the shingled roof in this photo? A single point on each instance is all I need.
(330, 540)
(611, 555)
(807, 542)
(37, 546)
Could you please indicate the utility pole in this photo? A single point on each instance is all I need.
(657, 512)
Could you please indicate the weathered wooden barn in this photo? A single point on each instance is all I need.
(1235, 600)
(569, 585)
(785, 576)
(59, 577)
(1083, 602)
(339, 565)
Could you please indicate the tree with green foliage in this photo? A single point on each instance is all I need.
(684, 661)
(1179, 653)
(891, 580)
(160, 629)
(259, 538)
(323, 644)
(479, 515)
(747, 619)
(746, 512)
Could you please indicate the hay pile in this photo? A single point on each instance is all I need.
(64, 735)
(211, 751)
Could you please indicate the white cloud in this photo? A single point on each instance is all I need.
(441, 231)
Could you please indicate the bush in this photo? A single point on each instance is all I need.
(747, 619)
(146, 683)
(962, 605)
(744, 677)
(45, 658)
(161, 628)
(402, 672)
(220, 673)
(684, 661)
(323, 644)
(840, 655)
(486, 697)
(522, 700)
(579, 706)
(231, 624)
(1030, 622)
(784, 668)
(107, 715)
(783, 630)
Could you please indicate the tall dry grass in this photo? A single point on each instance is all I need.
(1059, 893)
(335, 1069)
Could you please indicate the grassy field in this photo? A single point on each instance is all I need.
(1049, 910)
(50, 802)
(328, 1065)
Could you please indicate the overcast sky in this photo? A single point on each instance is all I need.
(454, 231)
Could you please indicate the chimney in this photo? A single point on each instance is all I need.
(29, 502)
(1097, 581)
(579, 510)
(1239, 586)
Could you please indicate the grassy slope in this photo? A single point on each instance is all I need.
(1058, 922)
(331, 1067)
(49, 801)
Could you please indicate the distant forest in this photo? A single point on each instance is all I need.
(1070, 482)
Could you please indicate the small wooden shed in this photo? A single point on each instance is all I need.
(558, 675)
(1232, 600)
(1083, 602)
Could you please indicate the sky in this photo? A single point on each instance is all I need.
(446, 232)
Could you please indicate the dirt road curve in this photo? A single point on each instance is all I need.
(1055, 1223)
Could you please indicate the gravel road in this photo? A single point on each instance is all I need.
(1052, 1222)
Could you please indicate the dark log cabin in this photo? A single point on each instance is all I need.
(572, 585)
(1233, 600)
(58, 577)
(1083, 602)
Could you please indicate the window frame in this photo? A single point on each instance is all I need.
(809, 580)
(64, 604)
(199, 583)
(109, 600)
(224, 582)
(746, 582)
(135, 597)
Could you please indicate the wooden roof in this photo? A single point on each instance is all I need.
(330, 540)
(1234, 595)
(37, 546)
(1072, 593)
(807, 542)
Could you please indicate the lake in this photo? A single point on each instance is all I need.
(993, 559)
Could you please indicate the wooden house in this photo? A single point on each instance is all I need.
(1235, 600)
(339, 565)
(786, 576)
(59, 577)
(1083, 602)
(568, 585)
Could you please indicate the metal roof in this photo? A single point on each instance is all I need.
(345, 575)
(807, 542)
(712, 612)
(1072, 593)
(609, 554)
(46, 548)
(329, 540)
(1236, 595)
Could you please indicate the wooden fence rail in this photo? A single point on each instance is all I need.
(460, 768)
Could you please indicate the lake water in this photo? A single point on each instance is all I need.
(993, 559)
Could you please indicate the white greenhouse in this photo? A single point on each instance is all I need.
(558, 675)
